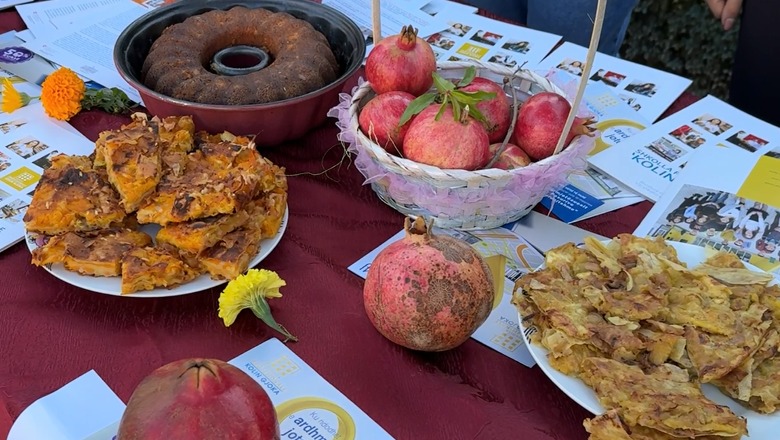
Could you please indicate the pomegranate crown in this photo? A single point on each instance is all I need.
(448, 93)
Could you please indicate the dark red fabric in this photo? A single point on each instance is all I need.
(53, 332)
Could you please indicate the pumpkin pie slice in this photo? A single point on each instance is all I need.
(230, 257)
(147, 268)
(133, 162)
(72, 196)
(97, 254)
(219, 178)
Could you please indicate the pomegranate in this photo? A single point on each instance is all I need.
(428, 292)
(512, 157)
(540, 122)
(446, 142)
(199, 399)
(497, 111)
(403, 62)
(380, 119)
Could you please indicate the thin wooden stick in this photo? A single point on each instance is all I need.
(376, 21)
(594, 44)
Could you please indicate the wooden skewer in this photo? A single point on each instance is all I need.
(375, 21)
(594, 44)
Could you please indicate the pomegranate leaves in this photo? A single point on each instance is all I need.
(447, 93)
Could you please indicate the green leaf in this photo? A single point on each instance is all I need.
(468, 76)
(472, 98)
(111, 100)
(441, 109)
(476, 114)
(416, 106)
(442, 84)
(456, 109)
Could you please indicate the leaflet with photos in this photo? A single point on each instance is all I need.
(474, 37)
(724, 200)
(588, 193)
(650, 161)
(647, 90)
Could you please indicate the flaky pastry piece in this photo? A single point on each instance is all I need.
(72, 196)
(195, 236)
(146, 268)
(217, 179)
(663, 399)
(133, 162)
(98, 254)
(231, 256)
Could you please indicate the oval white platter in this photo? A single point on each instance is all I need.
(113, 285)
(760, 426)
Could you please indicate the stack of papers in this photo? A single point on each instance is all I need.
(649, 162)
(454, 31)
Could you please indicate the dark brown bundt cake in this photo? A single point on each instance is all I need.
(178, 61)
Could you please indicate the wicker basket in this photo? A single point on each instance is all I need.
(459, 199)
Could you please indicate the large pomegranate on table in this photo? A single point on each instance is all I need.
(199, 399)
(428, 292)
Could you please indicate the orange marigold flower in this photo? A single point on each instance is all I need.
(61, 94)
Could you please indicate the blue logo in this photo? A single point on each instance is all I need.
(15, 55)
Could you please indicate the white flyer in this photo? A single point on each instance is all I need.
(505, 253)
(5, 4)
(649, 91)
(88, 50)
(472, 36)
(394, 14)
(39, 16)
(435, 6)
(77, 411)
(649, 162)
(724, 200)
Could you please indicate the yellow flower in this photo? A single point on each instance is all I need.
(61, 94)
(13, 99)
(249, 291)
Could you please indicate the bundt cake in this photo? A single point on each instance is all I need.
(179, 62)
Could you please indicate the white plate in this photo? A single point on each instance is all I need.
(760, 426)
(113, 285)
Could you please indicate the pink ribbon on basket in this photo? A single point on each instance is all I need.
(522, 189)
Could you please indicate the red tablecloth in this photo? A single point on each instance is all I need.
(53, 332)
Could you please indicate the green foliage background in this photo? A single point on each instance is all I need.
(682, 37)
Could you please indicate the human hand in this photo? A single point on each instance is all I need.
(725, 10)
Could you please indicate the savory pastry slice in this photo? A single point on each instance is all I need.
(98, 254)
(703, 303)
(217, 179)
(607, 426)
(195, 236)
(663, 399)
(266, 213)
(177, 138)
(231, 256)
(133, 162)
(146, 268)
(714, 356)
(739, 382)
(72, 196)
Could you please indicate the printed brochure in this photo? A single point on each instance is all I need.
(471, 36)
(307, 406)
(588, 193)
(506, 254)
(650, 161)
(28, 141)
(647, 90)
(724, 200)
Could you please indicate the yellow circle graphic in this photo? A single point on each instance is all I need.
(346, 429)
(610, 123)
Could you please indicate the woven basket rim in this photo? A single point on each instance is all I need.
(408, 166)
